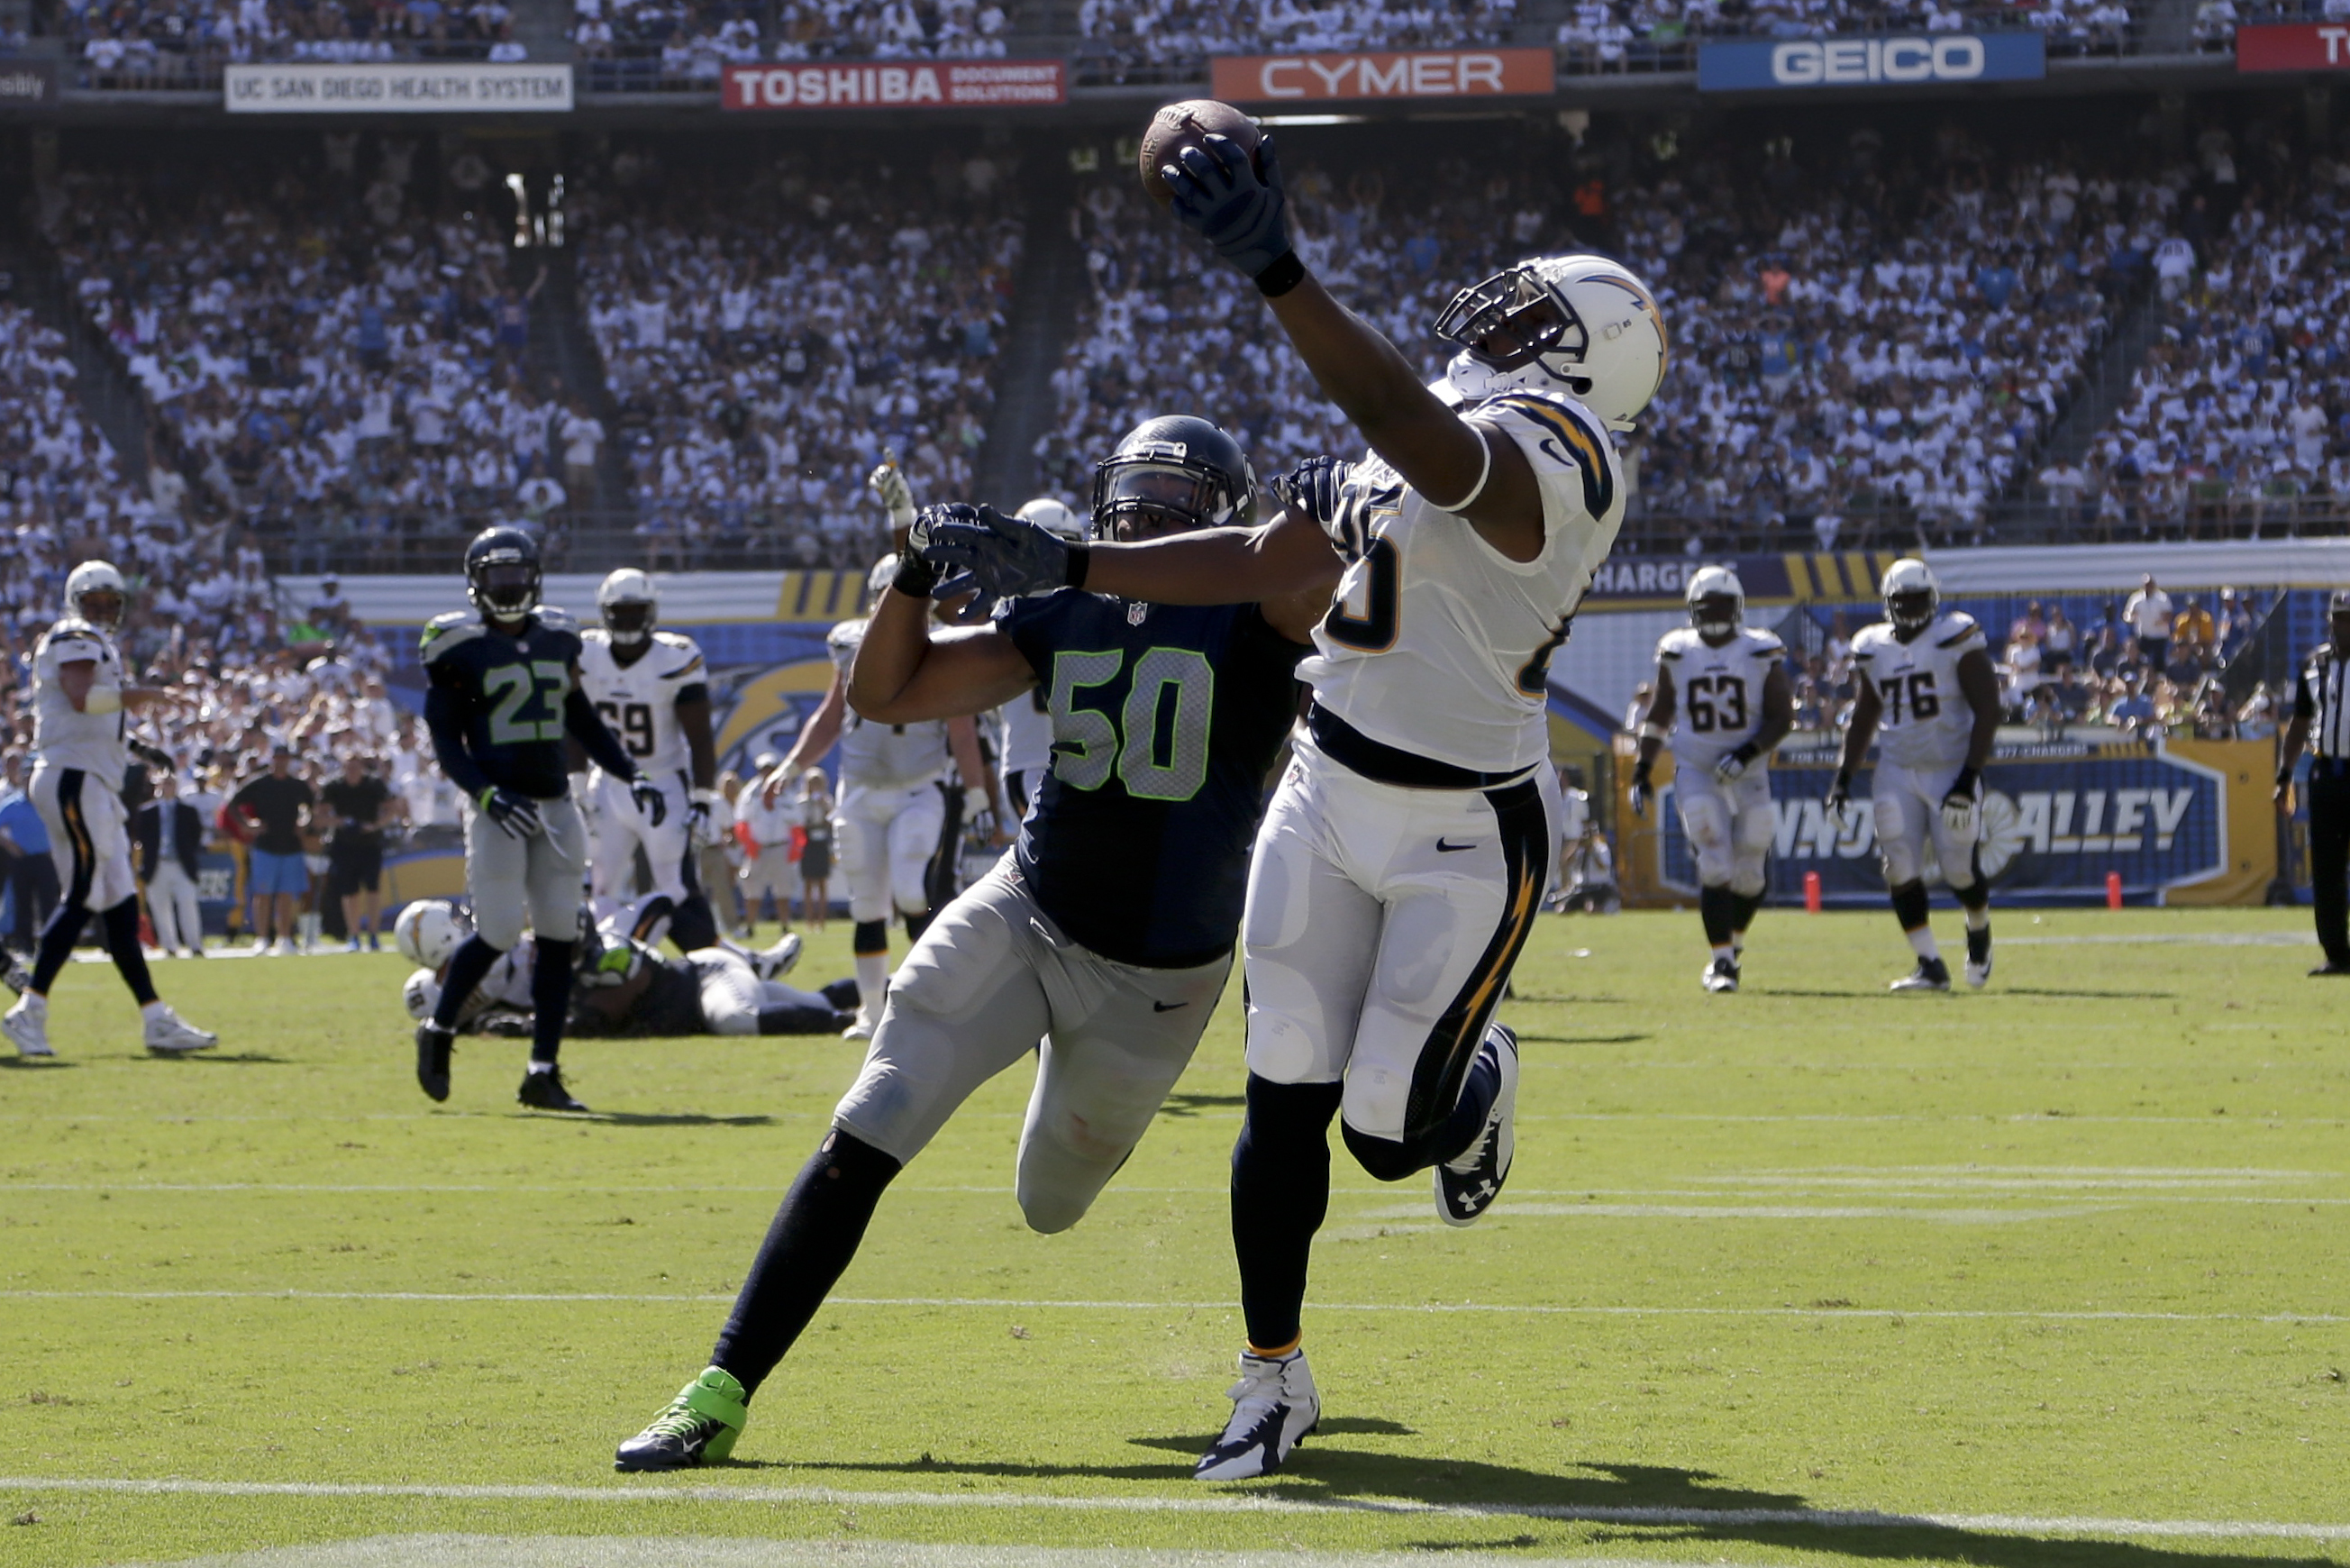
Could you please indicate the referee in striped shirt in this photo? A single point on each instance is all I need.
(2320, 720)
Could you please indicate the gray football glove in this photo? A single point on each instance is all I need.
(997, 557)
(516, 816)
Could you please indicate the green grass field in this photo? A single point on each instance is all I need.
(2038, 1271)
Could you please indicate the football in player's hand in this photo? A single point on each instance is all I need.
(1189, 124)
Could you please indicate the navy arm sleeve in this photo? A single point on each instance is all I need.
(587, 727)
(448, 728)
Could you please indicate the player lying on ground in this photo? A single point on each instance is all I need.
(1403, 859)
(621, 987)
(503, 693)
(1740, 706)
(1109, 928)
(1929, 698)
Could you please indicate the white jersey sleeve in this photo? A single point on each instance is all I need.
(1925, 721)
(93, 739)
(883, 756)
(638, 701)
(1436, 642)
(1719, 691)
(1027, 733)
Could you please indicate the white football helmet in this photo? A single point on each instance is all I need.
(92, 578)
(629, 605)
(1716, 602)
(1912, 595)
(1054, 517)
(1581, 325)
(421, 993)
(428, 931)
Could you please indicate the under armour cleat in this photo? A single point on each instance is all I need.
(1720, 975)
(1931, 974)
(1978, 956)
(1274, 1406)
(545, 1092)
(774, 962)
(168, 1035)
(434, 1046)
(699, 1426)
(1467, 1185)
(27, 1025)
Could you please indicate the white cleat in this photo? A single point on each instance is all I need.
(27, 1025)
(1720, 975)
(1466, 1187)
(774, 962)
(1274, 1406)
(168, 1035)
(860, 1030)
(1979, 958)
(1931, 974)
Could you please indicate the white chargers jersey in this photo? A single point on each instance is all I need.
(92, 741)
(638, 702)
(1720, 690)
(883, 756)
(1027, 733)
(1926, 721)
(1438, 644)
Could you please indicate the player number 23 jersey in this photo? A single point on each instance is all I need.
(638, 702)
(1719, 691)
(1926, 721)
(1438, 644)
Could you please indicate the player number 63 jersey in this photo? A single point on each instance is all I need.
(1926, 721)
(1438, 644)
(638, 702)
(1719, 691)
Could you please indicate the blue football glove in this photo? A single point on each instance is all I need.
(516, 816)
(1217, 194)
(1315, 488)
(651, 803)
(999, 557)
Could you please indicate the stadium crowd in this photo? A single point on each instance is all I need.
(633, 43)
(1154, 39)
(767, 346)
(161, 43)
(1602, 36)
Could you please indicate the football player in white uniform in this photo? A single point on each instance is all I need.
(1404, 855)
(890, 820)
(81, 708)
(1027, 721)
(1740, 705)
(653, 691)
(1930, 697)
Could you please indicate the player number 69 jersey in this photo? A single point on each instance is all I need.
(1926, 721)
(1436, 642)
(638, 702)
(1719, 691)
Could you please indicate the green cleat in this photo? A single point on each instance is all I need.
(699, 1426)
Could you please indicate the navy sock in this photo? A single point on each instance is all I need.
(1911, 907)
(869, 937)
(693, 927)
(57, 939)
(1717, 911)
(816, 1232)
(129, 958)
(550, 997)
(467, 965)
(1281, 1190)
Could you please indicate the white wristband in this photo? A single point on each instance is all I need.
(1652, 731)
(1485, 448)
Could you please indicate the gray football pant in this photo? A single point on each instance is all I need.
(990, 976)
(539, 876)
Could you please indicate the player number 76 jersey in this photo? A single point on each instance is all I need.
(1719, 691)
(638, 702)
(1926, 721)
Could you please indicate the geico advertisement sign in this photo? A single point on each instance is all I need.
(980, 84)
(1870, 61)
(1457, 73)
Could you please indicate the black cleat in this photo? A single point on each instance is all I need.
(1931, 974)
(2329, 968)
(545, 1092)
(434, 1046)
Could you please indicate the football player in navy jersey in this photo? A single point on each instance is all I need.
(502, 692)
(1107, 929)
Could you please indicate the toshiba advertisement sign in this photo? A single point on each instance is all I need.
(1434, 73)
(926, 84)
(2294, 46)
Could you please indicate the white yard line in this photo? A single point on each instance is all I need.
(1212, 1503)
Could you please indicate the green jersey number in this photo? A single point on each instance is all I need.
(543, 683)
(1158, 746)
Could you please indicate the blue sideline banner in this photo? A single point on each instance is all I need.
(1875, 61)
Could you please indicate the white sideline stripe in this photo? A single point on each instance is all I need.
(2174, 938)
(1959, 1314)
(1733, 1210)
(833, 1496)
(2263, 1120)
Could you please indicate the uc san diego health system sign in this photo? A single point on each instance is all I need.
(467, 88)
(1875, 61)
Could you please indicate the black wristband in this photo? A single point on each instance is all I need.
(1844, 780)
(1966, 782)
(1642, 773)
(916, 576)
(1285, 273)
(2284, 777)
(1081, 560)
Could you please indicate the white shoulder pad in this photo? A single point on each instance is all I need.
(554, 619)
(595, 634)
(1561, 440)
(1958, 631)
(1767, 644)
(443, 632)
(1674, 643)
(1869, 638)
(75, 634)
(684, 656)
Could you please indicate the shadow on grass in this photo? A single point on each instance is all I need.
(1192, 1104)
(1524, 1038)
(37, 1064)
(2091, 995)
(649, 1119)
(1644, 1504)
(231, 1059)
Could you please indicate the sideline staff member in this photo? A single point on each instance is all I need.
(2320, 719)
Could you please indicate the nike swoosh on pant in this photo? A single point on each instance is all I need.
(1168, 1006)
(1444, 849)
